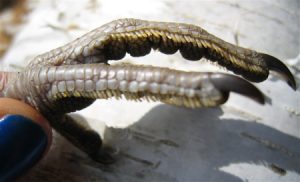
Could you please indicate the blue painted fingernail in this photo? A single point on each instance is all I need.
(22, 143)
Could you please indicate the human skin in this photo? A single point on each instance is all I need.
(15, 107)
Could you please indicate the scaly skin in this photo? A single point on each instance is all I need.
(71, 77)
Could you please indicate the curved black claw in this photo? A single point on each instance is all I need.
(276, 65)
(231, 83)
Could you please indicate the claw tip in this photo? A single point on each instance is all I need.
(276, 65)
(227, 83)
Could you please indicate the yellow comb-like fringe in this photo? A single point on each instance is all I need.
(189, 102)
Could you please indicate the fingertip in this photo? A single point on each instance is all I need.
(15, 107)
(25, 137)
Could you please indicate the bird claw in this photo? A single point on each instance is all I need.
(230, 83)
(277, 66)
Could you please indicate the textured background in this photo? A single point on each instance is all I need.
(239, 141)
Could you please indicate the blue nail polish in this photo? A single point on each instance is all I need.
(22, 144)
